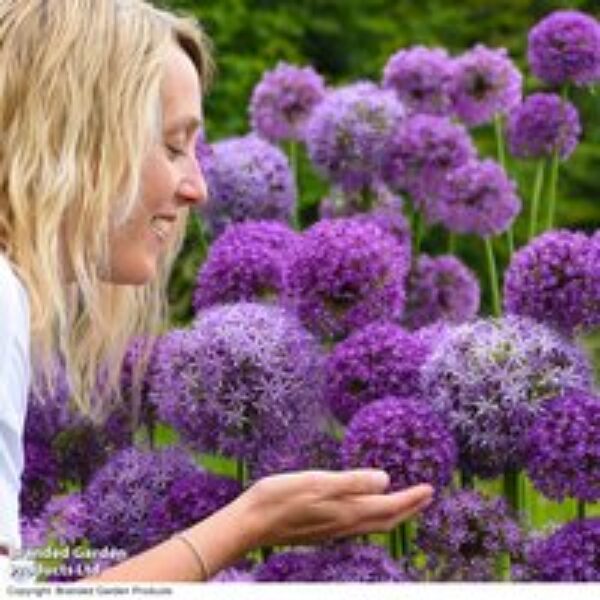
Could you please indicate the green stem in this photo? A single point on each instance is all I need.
(295, 168)
(554, 162)
(418, 227)
(404, 539)
(535, 201)
(581, 509)
(493, 274)
(501, 153)
(241, 472)
(467, 482)
(511, 489)
(394, 543)
(451, 242)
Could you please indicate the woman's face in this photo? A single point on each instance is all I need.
(171, 179)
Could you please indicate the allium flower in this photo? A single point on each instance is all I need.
(541, 125)
(125, 493)
(246, 263)
(244, 377)
(348, 133)
(345, 274)
(562, 449)
(555, 279)
(40, 479)
(247, 179)
(346, 562)
(485, 82)
(490, 378)
(283, 100)
(65, 519)
(378, 360)
(565, 47)
(233, 575)
(463, 534)
(440, 288)
(478, 198)
(571, 553)
(421, 152)
(403, 436)
(421, 78)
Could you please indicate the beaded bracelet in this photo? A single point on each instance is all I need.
(201, 563)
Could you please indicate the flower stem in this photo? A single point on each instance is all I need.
(418, 227)
(241, 472)
(511, 489)
(394, 543)
(554, 161)
(535, 201)
(404, 539)
(451, 242)
(467, 481)
(581, 509)
(501, 153)
(292, 148)
(493, 274)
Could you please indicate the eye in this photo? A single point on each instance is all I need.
(174, 151)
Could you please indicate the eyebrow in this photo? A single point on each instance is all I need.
(187, 123)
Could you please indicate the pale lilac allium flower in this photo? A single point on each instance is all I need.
(562, 448)
(541, 125)
(485, 83)
(247, 179)
(283, 100)
(404, 437)
(564, 47)
(490, 379)
(477, 198)
(555, 279)
(421, 153)
(246, 263)
(66, 518)
(349, 131)
(421, 78)
(440, 288)
(463, 535)
(381, 359)
(243, 377)
(345, 274)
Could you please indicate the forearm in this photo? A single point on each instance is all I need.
(220, 540)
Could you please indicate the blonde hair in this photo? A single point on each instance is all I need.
(79, 108)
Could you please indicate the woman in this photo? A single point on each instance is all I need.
(100, 106)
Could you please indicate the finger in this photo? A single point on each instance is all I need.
(357, 481)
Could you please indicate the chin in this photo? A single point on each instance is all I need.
(135, 274)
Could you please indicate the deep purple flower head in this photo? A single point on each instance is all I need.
(65, 519)
(345, 562)
(485, 82)
(421, 78)
(477, 198)
(345, 274)
(126, 492)
(378, 360)
(555, 279)
(421, 152)
(564, 47)
(40, 478)
(541, 125)
(247, 179)
(463, 535)
(377, 205)
(562, 448)
(571, 553)
(348, 133)
(403, 436)
(490, 377)
(246, 263)
(244, 377)
(283, 100)
(440, 288)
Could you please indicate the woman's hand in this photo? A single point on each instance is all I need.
(309, 506)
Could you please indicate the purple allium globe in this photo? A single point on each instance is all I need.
(485, 83)
(345, 562)
(463, 535)
(555, 279)
(378, 360)
(247, 179)
(40, 478)
(345, 274)
(283, 100)
(421, 78)
(243, 378)
(440, 288)
(571, 553)
(421, 152)
(562, 448)
(246, 263)
(490, 378)
(403, 436)
(65, 519)
(126, 493)
(348, 133)
(477, 198)
(541, 125)
(564, 47)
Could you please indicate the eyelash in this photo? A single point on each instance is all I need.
(174, 152)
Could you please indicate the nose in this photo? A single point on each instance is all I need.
(192, 188)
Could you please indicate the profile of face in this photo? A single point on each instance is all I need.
(171, 179)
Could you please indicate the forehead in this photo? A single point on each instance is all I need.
(180, 91)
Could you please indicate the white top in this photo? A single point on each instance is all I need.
(14, 386)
